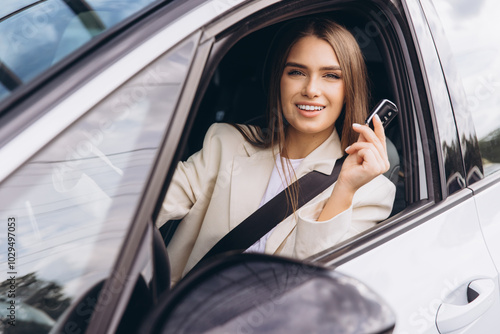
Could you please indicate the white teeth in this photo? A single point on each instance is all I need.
(308, 107)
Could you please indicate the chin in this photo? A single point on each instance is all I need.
(313, 130)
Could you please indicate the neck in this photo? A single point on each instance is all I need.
(299, 145)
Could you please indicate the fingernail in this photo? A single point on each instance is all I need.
(377, 117)
(356, 125)
(348, 147)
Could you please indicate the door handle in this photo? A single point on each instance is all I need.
(481, 295)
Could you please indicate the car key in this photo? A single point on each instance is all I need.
(386, 110)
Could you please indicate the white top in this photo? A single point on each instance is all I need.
(277, 183)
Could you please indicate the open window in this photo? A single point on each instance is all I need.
(232, 86)
(235, 92)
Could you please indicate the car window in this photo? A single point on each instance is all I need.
(237, 77)
(71, 205)
(475, 46)
(39, 34)
(9, 7)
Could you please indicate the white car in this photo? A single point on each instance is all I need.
(99, 99)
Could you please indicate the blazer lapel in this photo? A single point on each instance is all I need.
(249, 178)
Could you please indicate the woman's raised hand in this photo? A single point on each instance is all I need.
(367, 157)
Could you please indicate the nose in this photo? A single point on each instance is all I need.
(311, 88)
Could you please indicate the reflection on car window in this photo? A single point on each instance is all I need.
(476, 45)
(74, 202)
(37, 36)
(3, 91)
(10, 7)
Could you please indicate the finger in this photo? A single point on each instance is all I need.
(361, 138)
(365, 131)
(370, 161)
(368, 135)
(378, 128)
(358, 146)
(360, 149)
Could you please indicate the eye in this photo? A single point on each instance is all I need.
(295, 73)
(332, 76)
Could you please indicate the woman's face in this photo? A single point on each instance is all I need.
(312, 88)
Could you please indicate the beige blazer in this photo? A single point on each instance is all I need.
(219, 186)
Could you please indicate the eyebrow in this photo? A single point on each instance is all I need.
(324, 68)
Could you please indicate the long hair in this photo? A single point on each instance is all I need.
(354, 74)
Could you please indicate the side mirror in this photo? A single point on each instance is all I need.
(255, 293)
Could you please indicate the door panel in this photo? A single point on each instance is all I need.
(489, 216)
(431, 265)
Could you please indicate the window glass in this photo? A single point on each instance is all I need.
(475, 43)
(9, 7)
(73, 203)
(38, 36)
(3, 91)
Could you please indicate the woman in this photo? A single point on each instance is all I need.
(317, 89)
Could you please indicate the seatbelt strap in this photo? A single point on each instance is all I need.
(274, 211)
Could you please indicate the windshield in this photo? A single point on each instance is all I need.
(36, 35)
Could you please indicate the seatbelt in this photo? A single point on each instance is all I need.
(274, 211)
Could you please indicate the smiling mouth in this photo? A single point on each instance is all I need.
(309, 107)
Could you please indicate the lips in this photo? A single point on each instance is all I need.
(309, 110)
(308, 107)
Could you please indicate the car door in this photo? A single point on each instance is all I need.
(431, 257)
(463, 37)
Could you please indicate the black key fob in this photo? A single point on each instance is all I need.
(386, 110)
